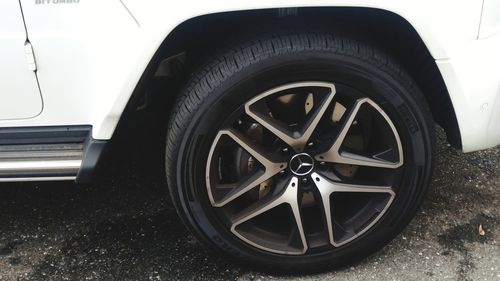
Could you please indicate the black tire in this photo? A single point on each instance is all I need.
(227, 81)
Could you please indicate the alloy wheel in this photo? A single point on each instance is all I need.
(301, 168)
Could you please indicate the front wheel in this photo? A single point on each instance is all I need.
(299, 151)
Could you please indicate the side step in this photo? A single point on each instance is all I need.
(47, 153)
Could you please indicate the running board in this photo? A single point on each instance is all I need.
(48, 153)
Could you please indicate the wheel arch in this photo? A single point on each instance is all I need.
(180, 51)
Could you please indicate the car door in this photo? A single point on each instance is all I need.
(19, 92)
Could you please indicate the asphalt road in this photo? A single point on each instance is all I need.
(124, 228)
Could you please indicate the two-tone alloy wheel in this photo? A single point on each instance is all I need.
(297, 147)
(311, 155)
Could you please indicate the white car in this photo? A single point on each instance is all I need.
(301, 134)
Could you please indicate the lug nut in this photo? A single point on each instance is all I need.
(322, 163)
(284, 150)
(310, 144)
(304, 180)
(282, 172)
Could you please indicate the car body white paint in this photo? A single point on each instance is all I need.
(19, 94)
(91, 54)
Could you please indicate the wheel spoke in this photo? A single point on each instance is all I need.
(271, 168)
(335, 155)
(296, 140)
(325, 192)
(360, 160)
(288, 196)
(326, 187)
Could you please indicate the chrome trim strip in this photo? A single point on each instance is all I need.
(37, 179)
(39, 166)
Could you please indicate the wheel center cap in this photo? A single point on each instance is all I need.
(301, 164)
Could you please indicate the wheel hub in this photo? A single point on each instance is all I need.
(301, 164)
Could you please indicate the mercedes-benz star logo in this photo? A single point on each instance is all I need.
(301, 164)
